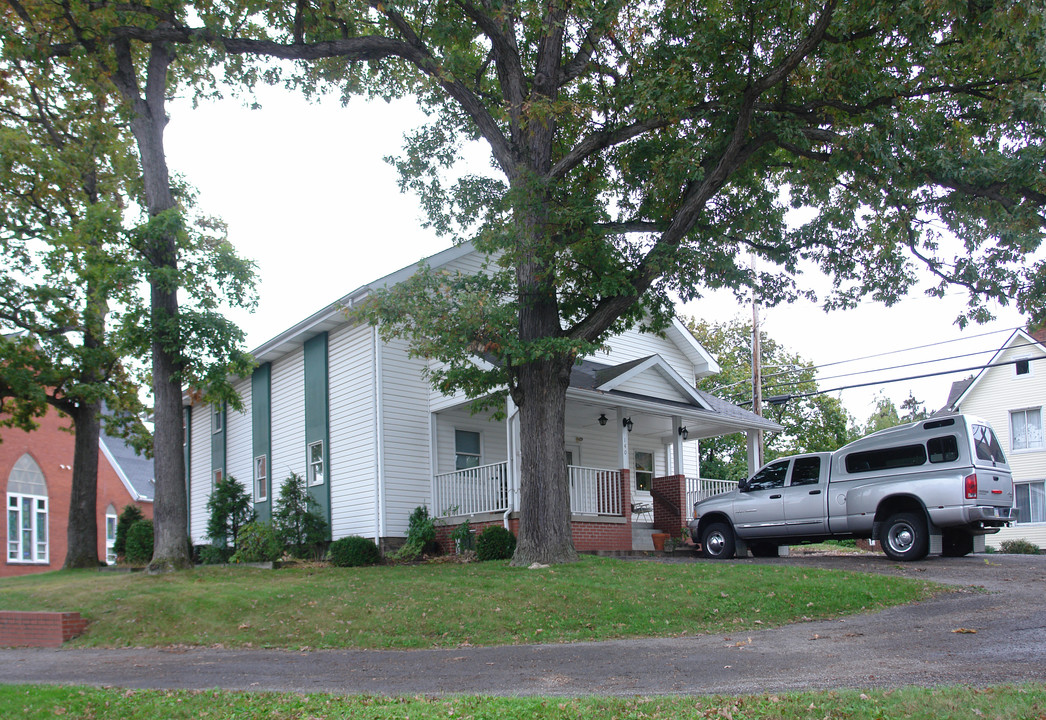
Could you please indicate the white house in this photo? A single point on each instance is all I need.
(355, 415)
(1010, 395)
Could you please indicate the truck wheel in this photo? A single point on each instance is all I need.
(906, 537)
(955, 543)
(717, 541)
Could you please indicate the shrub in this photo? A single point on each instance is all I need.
(1019, 546)
(257, 542)
(421, 536)
(299, 525)
(353, 551)
(495, 543)
(214, 555)
(230, 507)
(462, 537)
(139, 548)
(128, 517)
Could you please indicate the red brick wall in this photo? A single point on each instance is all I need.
(673, 489)
(51, 446)
(39, 629)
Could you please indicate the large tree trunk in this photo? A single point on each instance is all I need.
(82, 530)
(170, 509)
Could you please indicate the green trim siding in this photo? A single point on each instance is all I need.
(218, 443)
(261, 434)
(317, 416)
(187, 450)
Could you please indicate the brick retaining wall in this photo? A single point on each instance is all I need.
(39, 629)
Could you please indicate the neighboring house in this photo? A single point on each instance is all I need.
(1011, 396)
(357, 418)
(37, 469)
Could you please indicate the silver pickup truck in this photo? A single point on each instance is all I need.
(938, 485)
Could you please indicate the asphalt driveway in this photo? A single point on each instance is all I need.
(993, 630)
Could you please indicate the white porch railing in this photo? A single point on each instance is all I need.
(594, 491)
(702, 488)
(472, 490)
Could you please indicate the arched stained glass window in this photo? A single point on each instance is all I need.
(26, 513)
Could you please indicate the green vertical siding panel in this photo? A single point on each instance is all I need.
(261, 433)
(218, 444)
(187, 449)
(317, 415)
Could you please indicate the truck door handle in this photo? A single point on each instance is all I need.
(815, 492)
(775, 497)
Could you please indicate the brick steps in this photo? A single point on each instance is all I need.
(39, 629)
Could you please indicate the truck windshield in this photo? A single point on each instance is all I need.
(986, 445)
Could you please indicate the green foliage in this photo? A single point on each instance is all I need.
(230, 507)
(128, 517)
(257, 542)
(140, 542)
(462, 536)
(495, 543)
(421, 535)
(297, 520)
(353, 551)
(1019, 546)
(812, 422)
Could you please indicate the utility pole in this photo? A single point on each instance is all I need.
(755, 439)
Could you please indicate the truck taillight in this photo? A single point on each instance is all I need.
(971, 487)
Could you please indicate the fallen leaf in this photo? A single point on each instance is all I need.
(965, 631)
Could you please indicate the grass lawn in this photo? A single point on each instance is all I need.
(446, 605)
(1002, 703)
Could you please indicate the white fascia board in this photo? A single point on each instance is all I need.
(657, 363)
(1018, 334)
(135, 495)
(704, 364)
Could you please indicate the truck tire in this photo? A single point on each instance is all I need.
(906, 537)
(956, 543)
(717, 541)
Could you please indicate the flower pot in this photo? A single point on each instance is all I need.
(659, 540)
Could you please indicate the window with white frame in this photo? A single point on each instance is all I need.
(1031, 502)
(316, 463)
(216, 479)
(644, 469)
(261, 475)
(467, 450)
(27, 540)
(110, 535)
(1022, 367)
(216, 418)
(1026, 429)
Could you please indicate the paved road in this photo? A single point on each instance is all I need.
(1003, 598)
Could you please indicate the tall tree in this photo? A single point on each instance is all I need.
(64, 183)
(812, 422)
(94, 40)
(642, 149)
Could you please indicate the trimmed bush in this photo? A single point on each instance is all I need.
(1019, 546)
(257, 542)
(353, 551)
(128, 517)
(495, 543)
(140, 542)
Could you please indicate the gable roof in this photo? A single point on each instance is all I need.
(1018, 336)
(134, 470)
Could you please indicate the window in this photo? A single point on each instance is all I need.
(1022, 367)
(110, 535)
(216, 418)
(216, 479)
(466, 449)
(1031, 502)
(772, 476)
(644, 470)
(316, 463)
(986, 445)
(27, 513)
(1026, 429)
(943, 449)
(886, 459)
(806, 471)
(261, 487)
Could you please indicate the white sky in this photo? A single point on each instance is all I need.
(306, 194)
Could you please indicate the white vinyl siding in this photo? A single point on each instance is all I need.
(200, 473)
(493, 443)
(353, 450)
(633, 345)
(288, 420)
(238, 461)
(653, 384)
(406, 437)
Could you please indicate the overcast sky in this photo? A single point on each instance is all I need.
(307, 195)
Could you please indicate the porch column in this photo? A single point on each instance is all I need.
(512, 454)
(677, 446)
(753, 451)
(622, 458)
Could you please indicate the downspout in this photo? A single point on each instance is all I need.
(379, 442)
(513, 466)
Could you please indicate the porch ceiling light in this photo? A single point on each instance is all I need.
(683, 431)
(627, 423)
(602, 419)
